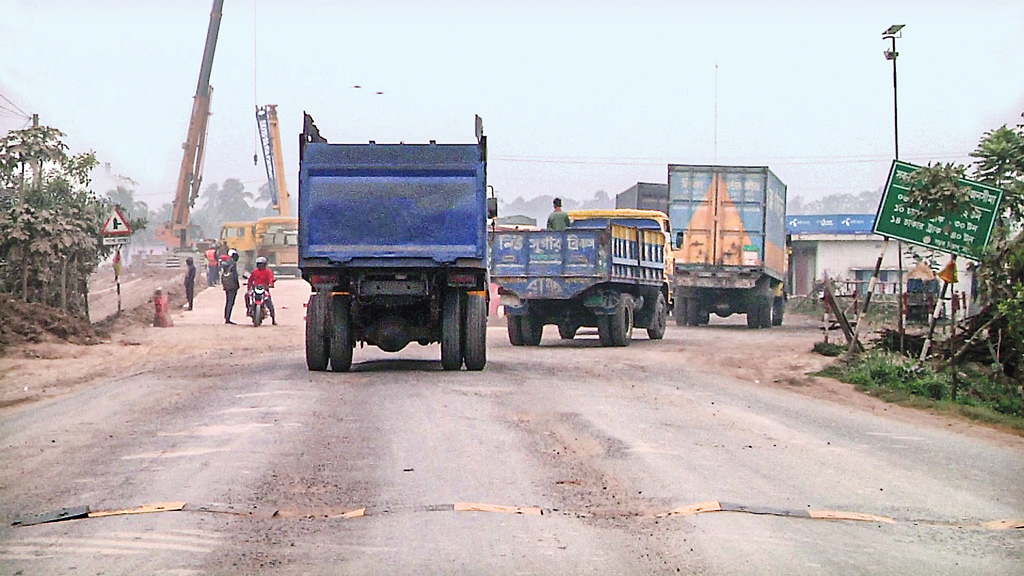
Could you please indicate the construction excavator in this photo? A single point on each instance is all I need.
(178, 233)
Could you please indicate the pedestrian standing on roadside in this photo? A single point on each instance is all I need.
(211, 266)
(190, 281)
(229, 280)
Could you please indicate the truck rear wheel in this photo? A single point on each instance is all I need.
(341, 335)
(515, 330)
(766, 312)
(451, 332)
(317, 343)
(567, 331)
(659, 320)
(680, 310)
(778, 310)
(754, 313)
(533, 329)
(475, 331)
(604, 330)
(693, 312)
(622, 324)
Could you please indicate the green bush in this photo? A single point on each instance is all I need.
(828, 349)
(982, 395)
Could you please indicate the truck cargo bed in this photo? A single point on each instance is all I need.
(560, 265)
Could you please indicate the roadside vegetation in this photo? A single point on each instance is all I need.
(979, 372)
(972, 391)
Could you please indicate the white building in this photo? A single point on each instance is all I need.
(842, 248)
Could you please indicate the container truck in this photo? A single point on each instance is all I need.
(393, 241)
(609, 276)
(730, 243)
(644, 196)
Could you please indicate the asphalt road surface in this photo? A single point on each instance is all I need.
(564, 459)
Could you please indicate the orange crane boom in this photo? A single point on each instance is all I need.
(190, 176)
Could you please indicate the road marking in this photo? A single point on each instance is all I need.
(219, 430)
(145, 509)
(710, 506)
(182, 539)
(895, 437)
(116, 543)
(857, 516)
(273, 393)
(251, 409)
(1016, 524)
(471, 507)
(178, 454)
(716, 506)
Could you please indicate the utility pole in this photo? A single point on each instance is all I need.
(892, 33)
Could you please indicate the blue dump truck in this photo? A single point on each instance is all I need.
(393, 241)
(730, 245)
(601, 274)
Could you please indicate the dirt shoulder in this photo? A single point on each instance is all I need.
(198, 342)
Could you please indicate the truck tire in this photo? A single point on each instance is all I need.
(515, 330)
(679, 310)
(604, 330)
(475, 332)
(693, 313)
(318, 345)
(766, 312)
(704, 318)
(341, 335)
(567, 331)
(451, 332)
(754, 313)
(778, 310)
(533, 330)
(622, 323)
(659, 320)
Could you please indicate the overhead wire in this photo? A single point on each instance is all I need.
(776, 161)
(19, 110)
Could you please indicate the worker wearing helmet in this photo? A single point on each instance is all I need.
(261, 276)
(229, 281)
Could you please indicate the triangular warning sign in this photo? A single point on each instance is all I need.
(116, 224)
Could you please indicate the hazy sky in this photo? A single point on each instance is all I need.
(575, 96)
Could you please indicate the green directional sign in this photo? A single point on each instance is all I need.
(961, 234)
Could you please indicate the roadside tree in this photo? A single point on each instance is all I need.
(50, 228)
(1000, 274)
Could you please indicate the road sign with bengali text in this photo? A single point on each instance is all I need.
(961, 234)
(116, 240)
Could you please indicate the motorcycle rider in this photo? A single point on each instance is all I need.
(261, 276)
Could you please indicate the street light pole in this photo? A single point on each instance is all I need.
(892, 33)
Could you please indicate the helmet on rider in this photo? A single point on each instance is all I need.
(233, 254)
(261, 262)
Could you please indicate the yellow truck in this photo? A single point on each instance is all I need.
(241, 236)
(277, 238)
(646, 219)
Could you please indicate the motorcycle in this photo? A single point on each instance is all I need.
(258, 304)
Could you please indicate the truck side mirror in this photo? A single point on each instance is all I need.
(679, 240)
(492, 207)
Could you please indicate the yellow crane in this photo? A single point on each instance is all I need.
(273, 159)
(277, 237)
(190, 176)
